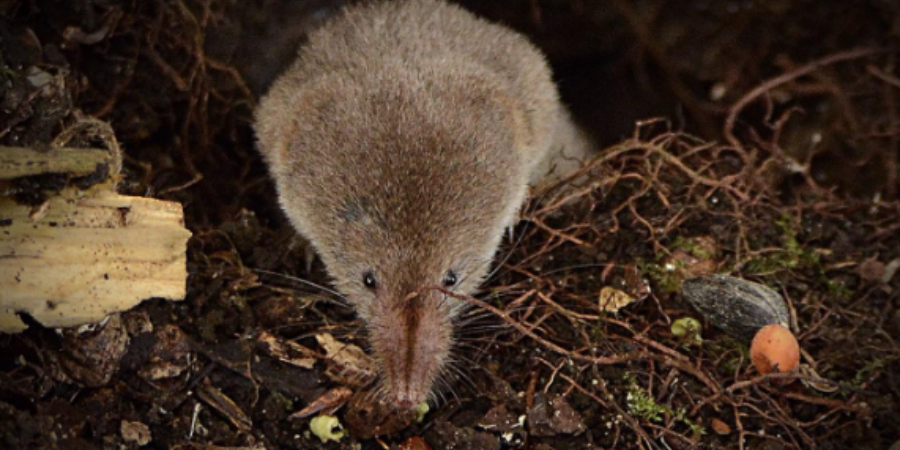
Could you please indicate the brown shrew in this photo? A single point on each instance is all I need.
(403, 141)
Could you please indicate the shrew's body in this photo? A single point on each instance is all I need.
(403, 141)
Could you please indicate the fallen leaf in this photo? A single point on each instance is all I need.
(552, 415)
(137, 322)
(287, 351)
(871, 270)
(217, 400)
(135, 432)
(890, 270)
(721, 428)
(612, 299)
(279, 311)
(327, 403)
(499, 419)
(445, 435)
(92, 353)
(369, 416)
(636, 283)
(347, 363)
(421, 410)
(170, 356)
(694, 257)
(687, 328)
(415, 443)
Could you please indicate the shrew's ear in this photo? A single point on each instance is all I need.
(517, 120)
(276, 117)
(490, 109)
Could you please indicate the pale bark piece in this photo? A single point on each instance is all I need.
(88, 254)
(18, 162)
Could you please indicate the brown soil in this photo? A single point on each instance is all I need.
(755, 138)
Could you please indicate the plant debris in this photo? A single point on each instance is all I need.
(552, 415)
(612, 299)
(368, 416)
(327, 404)
(739, 307)
(136, 433)
(326, 428)
(753, 139)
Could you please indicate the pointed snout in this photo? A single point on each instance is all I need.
(411, 339)
(406, 399)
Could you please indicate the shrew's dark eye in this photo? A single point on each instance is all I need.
(369, 280)
(450, 279)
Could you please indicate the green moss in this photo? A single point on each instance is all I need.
(689, 245)
(496, 301)
(739, 350)
(794, 256)
(596, 332)
(642, 405)
(866, 370)
(210, 322)
(791, 256)
(667, 273)
(285, 403)
(666, 277)
(835, 288)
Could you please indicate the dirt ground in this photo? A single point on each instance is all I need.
(755, 138)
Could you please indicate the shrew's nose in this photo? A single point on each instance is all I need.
(412, 340)
(405, 401)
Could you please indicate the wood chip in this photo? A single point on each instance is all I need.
(91, 355)
(88, 255)
(16, 162)
(347, 363)
(225, 406)
(327, 403)
(369, 416)
(135, 432)
(287, 351)
(552, 415)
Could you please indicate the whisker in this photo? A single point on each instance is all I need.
(462, 376)
(535, 202)
(304, 282)
(530, 208)
(442, 385)
(575, 267)
(481, 313)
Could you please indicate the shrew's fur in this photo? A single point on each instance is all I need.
(403, 141)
